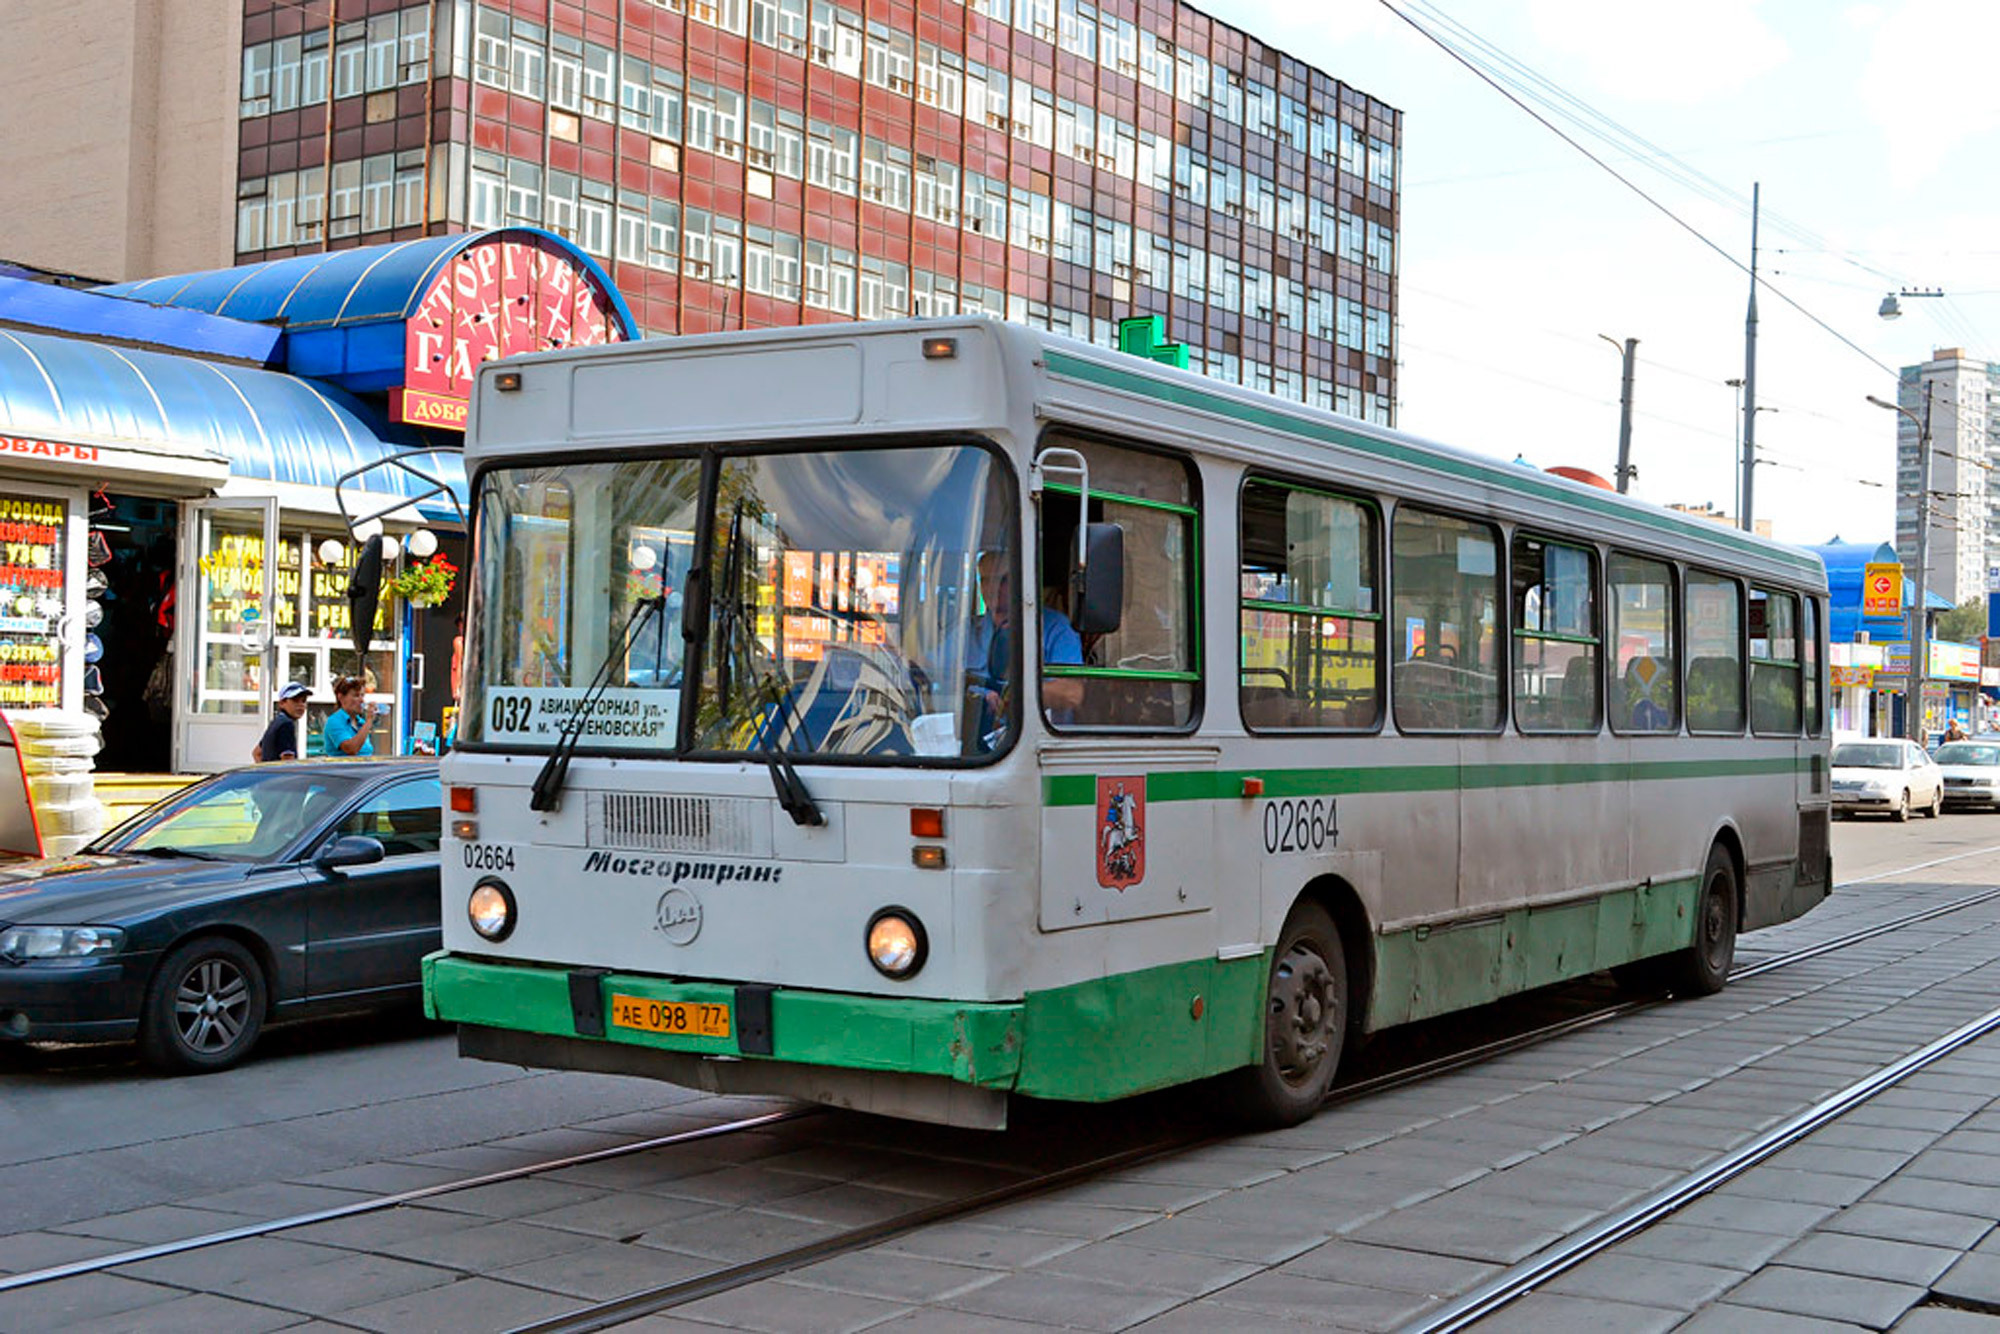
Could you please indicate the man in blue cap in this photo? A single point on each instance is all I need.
(281, 738)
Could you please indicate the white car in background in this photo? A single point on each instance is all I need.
(1885, 775)
(1971, 772)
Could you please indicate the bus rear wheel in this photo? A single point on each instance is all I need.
(1305, 1023)
(1702, 969)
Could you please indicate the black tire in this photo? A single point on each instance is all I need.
(1901, 815)
(1306, 1013)
(1937, 805)
(205, 1007)
(1702, 969)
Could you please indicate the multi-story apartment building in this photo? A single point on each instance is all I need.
(1964, 407)
(119, 128)
(771, 162)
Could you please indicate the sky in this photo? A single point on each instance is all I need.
(1874, 130)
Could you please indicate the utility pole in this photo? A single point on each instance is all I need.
(1750, 376)
(1625, 471)
(1920, 658)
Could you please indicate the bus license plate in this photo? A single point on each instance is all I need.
(689, 1018)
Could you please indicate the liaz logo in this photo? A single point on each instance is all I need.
(1121, 831)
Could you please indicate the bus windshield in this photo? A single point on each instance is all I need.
(844, 611)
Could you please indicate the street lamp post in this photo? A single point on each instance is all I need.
(1625, 470)
(1913, 720)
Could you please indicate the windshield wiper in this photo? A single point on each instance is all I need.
(548, 787)
(739, 637)
(178, 852)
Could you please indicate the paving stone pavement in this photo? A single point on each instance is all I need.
(1380, 1211)
(1363, 1218)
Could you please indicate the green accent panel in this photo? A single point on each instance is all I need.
(1131, 1032)
(1429, 971)
(975, 1043)
(1505, 477)
(1219, 785)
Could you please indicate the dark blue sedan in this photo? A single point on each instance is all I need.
(265, 893)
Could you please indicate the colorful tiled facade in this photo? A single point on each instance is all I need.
(773, 162)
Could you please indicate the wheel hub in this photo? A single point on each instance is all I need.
(1306, 1019)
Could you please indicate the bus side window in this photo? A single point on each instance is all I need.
(1715, 653)
(1809, 648)
(1555, 636)
(1444, 627)
(1146, 674)
(1774, 663)
(1645, 691)
(1311, 618)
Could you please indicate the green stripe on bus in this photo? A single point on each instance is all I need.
(1227, 784)
(1505, 476)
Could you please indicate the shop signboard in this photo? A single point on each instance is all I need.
(1882, 589)
(496, 298)
(31, 601)
(1853, 678)
(1948, 661)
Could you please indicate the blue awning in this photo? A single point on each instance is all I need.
(67, 311)
(268, 425)
(343, 310)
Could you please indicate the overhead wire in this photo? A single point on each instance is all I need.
(1518, 99)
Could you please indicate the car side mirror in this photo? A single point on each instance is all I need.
(1097, 579)
(350, 850)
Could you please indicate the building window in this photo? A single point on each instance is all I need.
(891, 59)
(829, 277)
(781, 24)
(836, 36)
(940, 78)
(256, 96)
(663, 236)
(832, 157)
(885, 174)
(524, 193)
(936, 191)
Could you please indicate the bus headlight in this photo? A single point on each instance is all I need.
(896, 943)
(491, 909)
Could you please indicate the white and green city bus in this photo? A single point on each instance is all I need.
(1321, 729)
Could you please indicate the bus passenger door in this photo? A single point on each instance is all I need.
(1127, 831)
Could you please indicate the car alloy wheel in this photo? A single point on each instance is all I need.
(205, 1007)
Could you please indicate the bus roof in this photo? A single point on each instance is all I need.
(766, 383)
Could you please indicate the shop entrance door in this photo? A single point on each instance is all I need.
(226, 658)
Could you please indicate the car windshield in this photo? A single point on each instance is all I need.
(1865, 756)
(844, 606)
(248, 815)
(1965, 752)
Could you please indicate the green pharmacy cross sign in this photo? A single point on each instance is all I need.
(1146, 336)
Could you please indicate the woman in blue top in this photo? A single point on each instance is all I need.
(347, 727)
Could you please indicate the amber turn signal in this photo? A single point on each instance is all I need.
(929, 856)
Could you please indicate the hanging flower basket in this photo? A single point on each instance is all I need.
(424, 583)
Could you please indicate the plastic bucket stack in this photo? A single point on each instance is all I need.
(56, 748)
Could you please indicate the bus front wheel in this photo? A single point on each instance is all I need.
(1305, 1023)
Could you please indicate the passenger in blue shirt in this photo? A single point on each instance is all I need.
(347, 727)
(990, 656)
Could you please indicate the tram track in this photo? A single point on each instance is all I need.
(605, 1314)
(1521, 1279)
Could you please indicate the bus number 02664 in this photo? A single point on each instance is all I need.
(1306, 825)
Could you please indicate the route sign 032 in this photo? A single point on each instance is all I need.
(1882, 589)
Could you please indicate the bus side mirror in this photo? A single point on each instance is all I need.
(1097, 581)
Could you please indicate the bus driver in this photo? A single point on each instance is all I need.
(990, 651)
